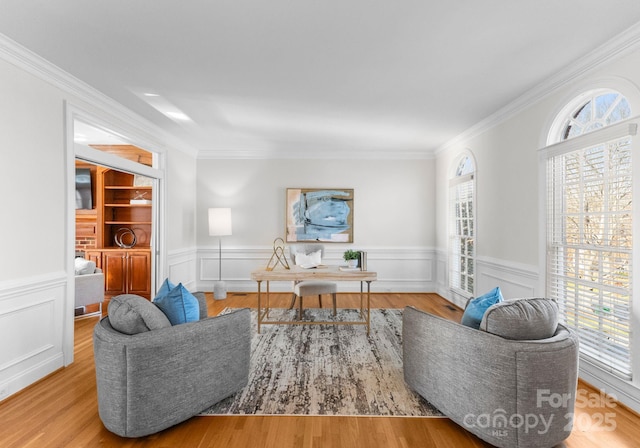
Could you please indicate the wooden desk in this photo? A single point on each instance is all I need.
(329, 273)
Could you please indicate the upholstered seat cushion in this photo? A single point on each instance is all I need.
(132, 314)
(522, 319)
(314, 288)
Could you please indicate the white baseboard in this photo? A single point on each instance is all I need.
(29, 376)
(621, 390)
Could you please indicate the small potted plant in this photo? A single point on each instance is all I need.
(351, 257)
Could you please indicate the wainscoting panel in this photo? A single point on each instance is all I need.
(31, 330)
(514, 279)
(399, 269)
(182, 268)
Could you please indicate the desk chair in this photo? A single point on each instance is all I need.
(310, 287)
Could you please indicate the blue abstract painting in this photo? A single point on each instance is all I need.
(315, 214)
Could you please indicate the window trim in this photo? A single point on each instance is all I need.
(455, 180)
(555, 146)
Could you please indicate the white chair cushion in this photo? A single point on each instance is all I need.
(314, 288)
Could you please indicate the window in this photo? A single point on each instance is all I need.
(589, 228)
(462, 227)
(598, 111)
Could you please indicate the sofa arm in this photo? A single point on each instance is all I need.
(153, 380)
(89, 288)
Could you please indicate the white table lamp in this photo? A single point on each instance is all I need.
(219, 225)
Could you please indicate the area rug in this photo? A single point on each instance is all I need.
(327, 369)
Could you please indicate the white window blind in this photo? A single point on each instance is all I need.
(462, 237)
(589, 246)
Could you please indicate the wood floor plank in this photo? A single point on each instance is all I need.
(62, 410)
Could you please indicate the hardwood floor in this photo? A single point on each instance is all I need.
(61, 410)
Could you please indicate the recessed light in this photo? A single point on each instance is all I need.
(180, 116)
(164, 106)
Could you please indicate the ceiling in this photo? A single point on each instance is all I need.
(298, 78)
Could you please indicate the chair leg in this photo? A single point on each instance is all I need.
(293, 295)
(335, 311)
(320, 300)
(300, 310)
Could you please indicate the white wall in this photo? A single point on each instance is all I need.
(32, 176)
(393, 215)
(180, 216)
(32, 229)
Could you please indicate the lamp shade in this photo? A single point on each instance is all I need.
(219, 221)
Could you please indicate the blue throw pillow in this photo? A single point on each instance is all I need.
(179, 305)
(476, 308)
(165, 288)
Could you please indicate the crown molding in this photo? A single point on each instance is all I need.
(316, 154)
(621, 45)
(23, 58)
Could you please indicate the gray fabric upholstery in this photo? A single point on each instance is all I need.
(204, 309)
(533, 318)
(477, 378)
(153, 380)
(132, 314)
(89, 288)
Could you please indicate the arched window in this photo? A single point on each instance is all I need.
(462, 227)
(589, 226)
(595, 112)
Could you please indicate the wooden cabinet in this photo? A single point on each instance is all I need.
(114, 266)
(127, 272)
(124, 210)
(95, 256)
(139, 273)
(122, 228)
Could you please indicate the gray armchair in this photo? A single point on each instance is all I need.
(89, 290)
(509, 392)
(166, 374)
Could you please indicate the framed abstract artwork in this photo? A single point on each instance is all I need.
(319, 214)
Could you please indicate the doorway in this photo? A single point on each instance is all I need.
(114, 227)
(91, 144)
